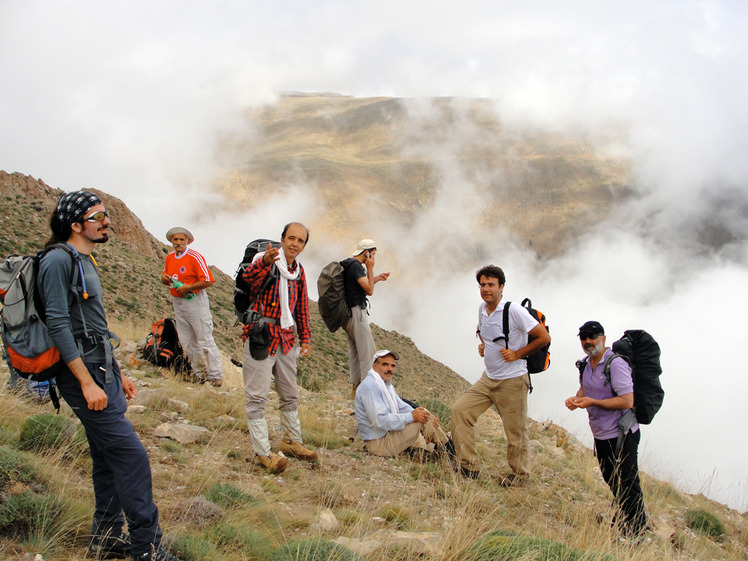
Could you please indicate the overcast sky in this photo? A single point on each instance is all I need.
(130, 97)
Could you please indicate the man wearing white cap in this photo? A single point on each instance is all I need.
(187, 274)
(386, 423)
(359, 283)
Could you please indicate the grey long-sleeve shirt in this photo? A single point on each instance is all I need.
(62, 309)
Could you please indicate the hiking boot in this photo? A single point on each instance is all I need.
(273, 463)
(193, 378)
(297, 450)
(109, 546)
(446, 450)
(160, 553)
(469, 473)
(513, 480)
(419, 455)
(216, 383)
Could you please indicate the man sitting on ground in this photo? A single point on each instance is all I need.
(386, 423)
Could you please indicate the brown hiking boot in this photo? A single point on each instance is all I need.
(513, 480)
(273, 463)
(297, 450)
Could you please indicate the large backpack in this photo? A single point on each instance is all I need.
(29, 350)
(242, 297)
(642, 353)
(162, 346)
(331, 290)
(540, 360)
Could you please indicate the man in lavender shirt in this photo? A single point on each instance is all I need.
(609, 399)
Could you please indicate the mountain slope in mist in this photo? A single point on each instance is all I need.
(130, 266)
(361, 156)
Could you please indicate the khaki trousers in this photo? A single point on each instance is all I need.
(414, 435)
(510, 398)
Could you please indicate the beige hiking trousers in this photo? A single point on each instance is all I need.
(510, 398)
(414, 435)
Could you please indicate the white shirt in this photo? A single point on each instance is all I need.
(491, 327)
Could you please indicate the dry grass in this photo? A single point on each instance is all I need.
(371, 498)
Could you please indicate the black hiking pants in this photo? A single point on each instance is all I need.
(121, 469)
(622, 476)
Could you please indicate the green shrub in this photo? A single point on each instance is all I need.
(13, 467)
(705, 523)
(46, 432)
(442, 411)
(314, 549)
(505, 546)
(251, 543)
(228, 496)
(194, 548)
(28, 513)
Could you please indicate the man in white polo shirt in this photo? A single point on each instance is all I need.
(504, 383)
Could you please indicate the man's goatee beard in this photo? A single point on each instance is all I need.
(103, 239)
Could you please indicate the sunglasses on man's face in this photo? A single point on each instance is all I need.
(588, 336)
(97, 216)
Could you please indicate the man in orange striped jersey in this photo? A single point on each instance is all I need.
(187, 274)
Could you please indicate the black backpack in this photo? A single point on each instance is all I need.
(331, 290)
(540, 360)
(162, 346)
(242, 298)
(641, 351)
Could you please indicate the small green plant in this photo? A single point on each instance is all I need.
(705, 523)
(442, 411)
(194, 548)
(248, 541)
(46, 432)
(506, 546)
(13, 467)
(314, 549)
(28, 513)
(228, 496)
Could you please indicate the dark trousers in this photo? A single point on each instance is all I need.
(622, 476)
(121, 469)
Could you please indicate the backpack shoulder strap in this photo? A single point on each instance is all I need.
(505, 321)
(606, 369)
(76, 277)
(581, 365)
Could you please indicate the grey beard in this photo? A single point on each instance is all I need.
(592, 351)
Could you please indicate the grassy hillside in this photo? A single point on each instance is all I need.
(130, 266)
(217, 504)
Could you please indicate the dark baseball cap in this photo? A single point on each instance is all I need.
(593, 327)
